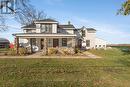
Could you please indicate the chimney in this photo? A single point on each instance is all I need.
(69, 23)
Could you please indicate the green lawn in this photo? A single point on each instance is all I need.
(113, 70)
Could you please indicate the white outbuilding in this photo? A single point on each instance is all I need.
(100, 43)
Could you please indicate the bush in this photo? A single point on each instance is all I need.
(77, 50)
(22, 52)
(68, 51)
(61, 51)
(12, 52)
(52, 51)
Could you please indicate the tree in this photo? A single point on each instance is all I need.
(29, 15)
(125, 9)
(24, 13)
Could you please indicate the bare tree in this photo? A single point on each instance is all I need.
(3, 26)
(28, 15)
(24, 13)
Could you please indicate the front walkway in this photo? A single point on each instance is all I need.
(37, 55)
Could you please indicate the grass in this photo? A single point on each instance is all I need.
(110, 71)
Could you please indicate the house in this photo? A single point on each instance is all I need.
(4, 43)
(86, 39)
(49, 33)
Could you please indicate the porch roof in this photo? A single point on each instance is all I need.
(39, 35)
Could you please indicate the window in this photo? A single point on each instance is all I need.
(28, 31)
(49, 41)
(104, 46)
(96, 46)
(83, 33)
(46, 28)
(100, 45)
(88, 43)
(64, 41)
(34, 41)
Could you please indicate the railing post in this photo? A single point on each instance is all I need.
(45, 46)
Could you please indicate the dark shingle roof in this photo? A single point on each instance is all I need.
(90, 29)
(46, 20)
(30, 26)
(3, 40)
(66, 26)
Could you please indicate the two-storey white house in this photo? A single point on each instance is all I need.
(49, 33)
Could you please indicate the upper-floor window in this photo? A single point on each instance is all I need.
(83, 33)
(47, 28)
(30, 31)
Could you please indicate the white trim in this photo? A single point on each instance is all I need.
(45, 35)
(29, 28)
(39, 22)
(68, 28)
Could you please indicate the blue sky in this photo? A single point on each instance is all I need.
(98, 14)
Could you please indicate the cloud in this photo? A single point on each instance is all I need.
(106, 28)
(112, 33)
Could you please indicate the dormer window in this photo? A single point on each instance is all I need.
(46, 28)
(83, 33)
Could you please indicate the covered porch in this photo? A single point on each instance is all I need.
(44, 41)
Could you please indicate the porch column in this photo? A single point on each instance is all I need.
(73, 42)
(17, 45)
(45, 46)
(31, 45)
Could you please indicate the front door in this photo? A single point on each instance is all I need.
(42, 43)
(55, 42)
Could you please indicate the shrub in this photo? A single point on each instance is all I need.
(61, 51)
(77, 50)
(52, 51)
(67, 51)
(22, 51)
(12, 52)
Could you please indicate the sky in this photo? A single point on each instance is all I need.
(97, 14)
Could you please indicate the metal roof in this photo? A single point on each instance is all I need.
(3, 40)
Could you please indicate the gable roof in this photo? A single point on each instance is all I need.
(90, 29)
(46, 20)
(66, 26)
(30, 26)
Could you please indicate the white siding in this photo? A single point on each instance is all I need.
(69, 42)
(60, 42)
(38, 28)
(50, 42)
(54, 28)
(70, 31)
(91, 37)
(99, 43)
